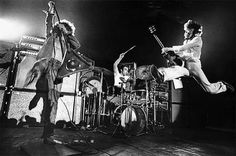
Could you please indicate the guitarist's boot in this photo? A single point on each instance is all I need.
(159, 77)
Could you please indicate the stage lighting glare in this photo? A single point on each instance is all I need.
(11, 29)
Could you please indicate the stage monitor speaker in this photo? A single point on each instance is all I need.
(74, 62)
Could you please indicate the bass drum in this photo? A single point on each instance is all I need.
(132, 119)
(93, 84)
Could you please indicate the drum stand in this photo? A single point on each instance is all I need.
(99, 111)
(94, 110)
(146, 107)
(157, 123)
(154, 123)
(118, 128)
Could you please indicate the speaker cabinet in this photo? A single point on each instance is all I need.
(5, 62)
(23, 98)
(178, 106)
(21, 101)
(176, 94)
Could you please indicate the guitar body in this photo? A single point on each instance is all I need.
(173, 59)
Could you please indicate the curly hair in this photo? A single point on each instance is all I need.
(68, 25)
(197, 28)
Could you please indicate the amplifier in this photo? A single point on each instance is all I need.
(31, 44)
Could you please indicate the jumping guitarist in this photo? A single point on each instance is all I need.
(190, 52)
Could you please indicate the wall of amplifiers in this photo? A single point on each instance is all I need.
(18, 102)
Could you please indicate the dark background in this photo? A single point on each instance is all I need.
(108, 28)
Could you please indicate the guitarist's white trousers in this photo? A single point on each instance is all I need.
(193, 68)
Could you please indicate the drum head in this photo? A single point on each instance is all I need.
(133, 120)
(93, 84)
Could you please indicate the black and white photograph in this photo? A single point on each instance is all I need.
(117, 77)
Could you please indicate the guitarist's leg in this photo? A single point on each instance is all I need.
(196, 71)
(173, 72)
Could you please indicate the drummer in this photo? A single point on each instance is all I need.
(122, 77)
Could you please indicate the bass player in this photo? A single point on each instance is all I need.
(190, 53)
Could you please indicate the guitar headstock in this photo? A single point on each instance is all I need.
(152, 29)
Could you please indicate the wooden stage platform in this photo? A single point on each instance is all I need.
(166, 142)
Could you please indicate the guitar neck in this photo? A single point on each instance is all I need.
(158, 41)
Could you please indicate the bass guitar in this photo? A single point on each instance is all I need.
(171, 57)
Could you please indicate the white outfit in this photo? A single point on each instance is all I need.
(190, 52)
(118, 81)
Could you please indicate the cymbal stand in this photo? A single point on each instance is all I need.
(146, 105)
(154, 111)
(83, 107)
(94, 108)
(99, 102)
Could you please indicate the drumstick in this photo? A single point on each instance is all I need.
(129, 49)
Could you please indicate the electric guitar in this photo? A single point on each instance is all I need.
(171, 57)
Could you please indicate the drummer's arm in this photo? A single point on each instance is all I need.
(115, 65)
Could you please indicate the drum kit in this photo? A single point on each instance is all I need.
(132, 112)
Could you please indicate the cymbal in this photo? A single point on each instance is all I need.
(103, 70)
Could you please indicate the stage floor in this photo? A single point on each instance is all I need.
(166, 142)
